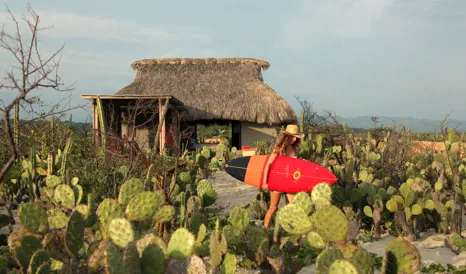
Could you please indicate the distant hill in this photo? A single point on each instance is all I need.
(415, 124)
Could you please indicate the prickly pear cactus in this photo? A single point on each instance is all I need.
(33, 217)
(401, 257)
(74, 236)
(144, 205)
(315, 241)
(131, 259)
(321, 190)
(26, 249)
(363, 261)
(64, 196)
(129, 189)
(185, 177)
(206, 192)
(342, 266)
(56, 219)
(113, 259)
(455, 242)
(164, 214)
(239, 218)
(40, 257)
(293, 219)
(331, 223)
(121, 232)
(153, 259)
(78, 193)
(149, 239)
(229, 264)
(53, 181)
(303, 200)
(91, 218)
(107, 210)
(181, 244)
(326, 258)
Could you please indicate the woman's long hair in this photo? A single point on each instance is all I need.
(285, 139)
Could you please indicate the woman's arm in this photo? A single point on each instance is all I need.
(270, 161)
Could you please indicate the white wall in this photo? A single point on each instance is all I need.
(251, 132)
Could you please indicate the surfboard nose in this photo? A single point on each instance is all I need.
(237, 167)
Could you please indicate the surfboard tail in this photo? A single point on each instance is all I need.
(237, 167)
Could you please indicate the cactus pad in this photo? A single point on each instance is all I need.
(401, 257)
(82, 209)
(149, 239)
(326, 258)
(363, 261)
(78, 193)
(153, 259)
(229, 264)
(33, 217)
(53, 181)
(303, 200)
(315, 241)
(129, 189)
(181, 244)
(164, 214)
(64, 195)
(44, 268)
(56, 219)
(331, 223)
(293, 219)
(185, 178)
(455, 242)
(121, 232)
(201, 234)
(321, 190)
(342, 266)
(239, 218)
(74, 237)
(144, 205)
(113, 259)
(206, 192)
(91, 218)
(40, 257)
(106, 211)
(24, 252)
(321, 202)
(131, 259)
(197, 220)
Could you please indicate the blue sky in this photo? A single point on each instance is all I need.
(361, 57)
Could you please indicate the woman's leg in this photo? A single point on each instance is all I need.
(274, 200)
(290, 196)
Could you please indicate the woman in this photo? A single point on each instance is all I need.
(288, 145)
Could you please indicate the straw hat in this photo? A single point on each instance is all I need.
(293, 130)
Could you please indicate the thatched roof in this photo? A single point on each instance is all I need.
(213, 88)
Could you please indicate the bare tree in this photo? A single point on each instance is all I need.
(31, 71)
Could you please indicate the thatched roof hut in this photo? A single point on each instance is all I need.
(213, 88)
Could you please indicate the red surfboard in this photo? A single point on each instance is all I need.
(286, 174)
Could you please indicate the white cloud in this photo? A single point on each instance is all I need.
(72, 25)
(319, 20)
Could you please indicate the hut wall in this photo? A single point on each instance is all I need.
(252, 132)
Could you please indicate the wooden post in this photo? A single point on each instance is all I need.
(95, 122)
(161, 127)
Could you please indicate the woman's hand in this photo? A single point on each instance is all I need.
(265, 186)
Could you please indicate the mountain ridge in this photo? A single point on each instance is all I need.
(412, 123)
